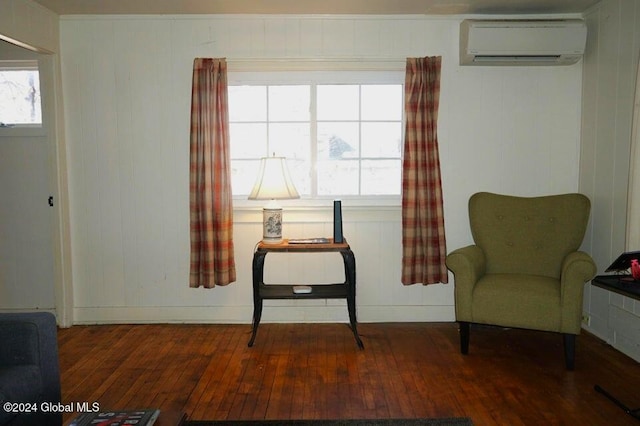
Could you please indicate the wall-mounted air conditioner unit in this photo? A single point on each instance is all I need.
(522, 42)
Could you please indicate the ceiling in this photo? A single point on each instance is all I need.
(364, 7)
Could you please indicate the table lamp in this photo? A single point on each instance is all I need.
(273, 183)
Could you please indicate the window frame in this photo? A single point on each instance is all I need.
(323, 77)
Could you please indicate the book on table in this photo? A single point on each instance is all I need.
(308, 240)
(145, 417)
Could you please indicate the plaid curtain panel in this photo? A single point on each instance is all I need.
(211, 208)
(423, 241)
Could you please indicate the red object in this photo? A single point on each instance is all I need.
(635, 269)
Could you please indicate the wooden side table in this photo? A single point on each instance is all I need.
(346, 290)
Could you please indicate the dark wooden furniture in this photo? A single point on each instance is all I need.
(627, 286)
(621, 284)
(345, 290)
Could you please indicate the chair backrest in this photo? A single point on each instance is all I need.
(528, 235)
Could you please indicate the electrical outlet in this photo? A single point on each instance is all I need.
(586, 319)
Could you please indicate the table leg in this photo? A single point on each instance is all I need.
(258, 276)
(257, 313)
(350, 276)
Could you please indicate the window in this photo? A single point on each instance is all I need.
(341, 138)
(20, 94)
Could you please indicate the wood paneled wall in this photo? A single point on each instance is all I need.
(610, 67)
(127, 83)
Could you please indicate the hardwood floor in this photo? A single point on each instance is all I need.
(309, 371)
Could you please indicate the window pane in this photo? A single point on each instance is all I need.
(243, 176)
(382, 102)
(289, 140)
(337, 140)
(380, 177)
(248, 140)
(20, 97)
(381, 139)
(300, 174)
(338, 177)
(247, 103)
(289, 103)
(338, 102)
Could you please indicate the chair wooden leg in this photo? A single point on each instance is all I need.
(464, 337)
(569, 350)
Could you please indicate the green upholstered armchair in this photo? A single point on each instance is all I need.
(524, 270)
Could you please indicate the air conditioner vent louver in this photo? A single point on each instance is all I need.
(522, 42)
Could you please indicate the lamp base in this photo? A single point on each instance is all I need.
(272, 240)
(271, 225)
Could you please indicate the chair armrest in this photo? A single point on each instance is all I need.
(467, 262)
(468, 266)
(577, 268)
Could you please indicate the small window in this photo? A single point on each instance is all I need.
(20, 99)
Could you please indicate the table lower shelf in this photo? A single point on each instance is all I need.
(263, 292)
(318, 291)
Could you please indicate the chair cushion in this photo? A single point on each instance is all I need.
(517, 300)
(19, 383)
(19, 343)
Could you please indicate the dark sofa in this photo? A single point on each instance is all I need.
(29, 369)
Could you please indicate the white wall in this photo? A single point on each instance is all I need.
(127, 82)
(25, 22)
(610, 68)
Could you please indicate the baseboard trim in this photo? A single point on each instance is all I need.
(274, 311)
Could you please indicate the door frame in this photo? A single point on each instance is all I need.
(53, 107)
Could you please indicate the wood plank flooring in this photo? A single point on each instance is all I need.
(316, 371)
